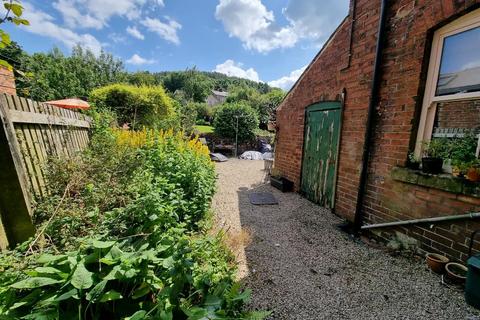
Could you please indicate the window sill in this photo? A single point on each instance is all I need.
(445, 182)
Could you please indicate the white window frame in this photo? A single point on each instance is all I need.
(430, 100)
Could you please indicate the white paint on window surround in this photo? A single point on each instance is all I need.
(430, 101)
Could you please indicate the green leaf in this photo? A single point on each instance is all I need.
(47, 258)
(16, 9)
(213, 302)
(19, 21)
(97, 290)
(196, 313)
(82, 278)
(257, 315)
(32, 283)
(141, 291)
(102, 244)
(139, 315)
(48, 270)
(67, 295)
(168, 262)
(110, 296)
(5, 64)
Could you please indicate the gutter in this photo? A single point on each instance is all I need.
(370, 125)
(472, 215)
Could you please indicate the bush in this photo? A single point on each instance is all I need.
(225, 122)
(123, 236)
(137, 106)
(202, 122)
(188, 114)
(204, 112)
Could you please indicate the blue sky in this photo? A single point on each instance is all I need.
(263, 40)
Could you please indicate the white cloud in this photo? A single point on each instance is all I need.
(166, 30)
(254, 25)
(232, 69)
(117, 38)
(287, 82)
(315, 19)
(134, 32)
(43, 24)
(138, 60)
(96, 14)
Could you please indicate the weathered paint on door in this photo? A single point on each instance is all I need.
(320, 152)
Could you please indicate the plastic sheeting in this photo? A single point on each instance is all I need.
(255, 155)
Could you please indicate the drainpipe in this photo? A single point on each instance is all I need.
(472, 215)
(370, 125)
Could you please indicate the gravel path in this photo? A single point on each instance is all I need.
(301, 266)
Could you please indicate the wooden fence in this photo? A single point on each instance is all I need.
(30, 134)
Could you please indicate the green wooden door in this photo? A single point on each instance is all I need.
(320, 152)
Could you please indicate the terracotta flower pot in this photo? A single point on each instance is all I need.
(456, 272)
(473, 174)
(436, 262)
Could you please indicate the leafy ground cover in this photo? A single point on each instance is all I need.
(123, 235)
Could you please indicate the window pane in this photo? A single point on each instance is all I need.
(457, 117)
(460, 64)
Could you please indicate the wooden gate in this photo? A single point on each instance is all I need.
(320, 152)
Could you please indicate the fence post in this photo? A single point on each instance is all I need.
(15, 209)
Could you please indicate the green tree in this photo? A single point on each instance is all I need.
(268, 104)
(204, 112)
(50, 76)
(13, 14)
(264, 104)
(142, 78)
(226, 118)
(194, 84)
(137, 106)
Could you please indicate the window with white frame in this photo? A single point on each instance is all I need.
(451, 104)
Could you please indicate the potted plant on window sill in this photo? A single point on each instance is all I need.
(434, 153)
(413, 161)
(463, 155)
(473, 172)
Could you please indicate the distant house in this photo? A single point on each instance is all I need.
(216, 98)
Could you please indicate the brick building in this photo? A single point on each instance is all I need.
(426, 81)
(7, 81)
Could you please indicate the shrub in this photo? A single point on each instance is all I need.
(204, 112)
(123, 238)
(202, 122)
(225, 122)
(136, 106)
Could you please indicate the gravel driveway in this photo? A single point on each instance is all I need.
(300, 266)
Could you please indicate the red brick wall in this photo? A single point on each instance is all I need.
(409, 29)
(7, 81)
(325, 80)
(458, 114)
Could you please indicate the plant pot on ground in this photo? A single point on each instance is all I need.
(281, 184)
(456, 272)
(436, 262)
